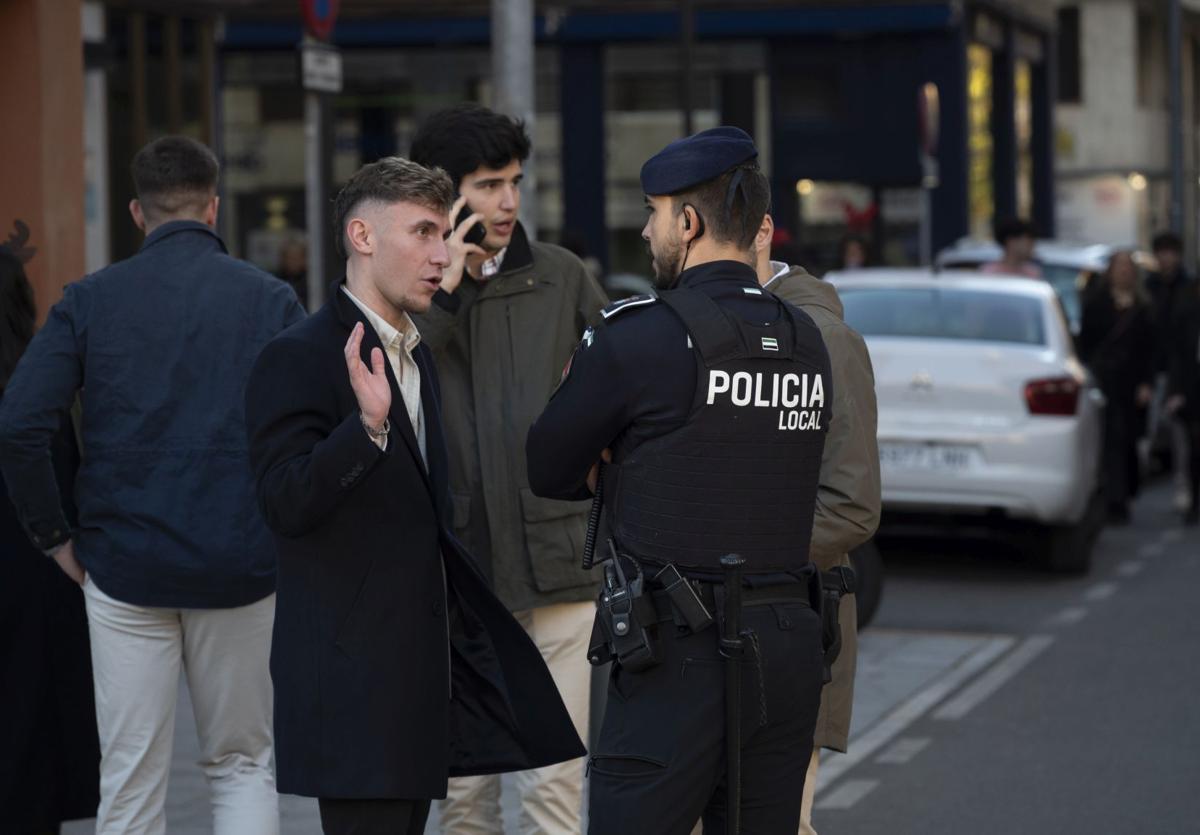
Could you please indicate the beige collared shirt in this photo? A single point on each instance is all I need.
(398, 345)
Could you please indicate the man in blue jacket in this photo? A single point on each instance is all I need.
(176, 565)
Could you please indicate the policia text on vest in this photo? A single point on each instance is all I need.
(793, 392)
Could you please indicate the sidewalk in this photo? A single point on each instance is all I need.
(892, 665)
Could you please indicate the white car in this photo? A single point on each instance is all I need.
(985, 413)
(1067, 267)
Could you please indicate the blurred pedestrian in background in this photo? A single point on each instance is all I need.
(853, 253)
(1168, 288)
(293, 266)
(501, 331)
(49, 751)
(1117, 342)
(1016, 237)
(1183, 399)
(177, 567)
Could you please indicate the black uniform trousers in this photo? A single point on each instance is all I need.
(659, 765)
(373, 817)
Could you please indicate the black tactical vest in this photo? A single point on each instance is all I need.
(740, 476)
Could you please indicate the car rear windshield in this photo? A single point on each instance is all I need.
(941, 313)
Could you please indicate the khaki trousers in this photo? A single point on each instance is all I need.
(551, 797)
(810, 788)
(137, 656)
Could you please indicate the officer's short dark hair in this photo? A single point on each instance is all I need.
(387, 181)
(1013, 227)
(174, 174)
(465, 137)
(732, 213)
(1167, 241)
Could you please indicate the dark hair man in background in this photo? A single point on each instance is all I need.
(177, 567)
(1170, 291)
(1016, 237)
(381, 612)
(501, 330)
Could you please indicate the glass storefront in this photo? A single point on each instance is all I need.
(980, 195)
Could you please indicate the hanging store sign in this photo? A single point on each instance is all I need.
(320, 67)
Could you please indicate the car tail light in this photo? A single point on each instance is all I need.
(1054, 396)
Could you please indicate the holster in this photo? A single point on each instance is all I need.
(838, 581)
(626, 625)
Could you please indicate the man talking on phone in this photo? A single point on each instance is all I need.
(505, 320)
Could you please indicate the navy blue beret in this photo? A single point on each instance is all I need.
(696, 159)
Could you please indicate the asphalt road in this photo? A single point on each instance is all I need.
(991, 697)
(1077, 711)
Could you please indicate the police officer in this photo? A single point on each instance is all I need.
(710, 401)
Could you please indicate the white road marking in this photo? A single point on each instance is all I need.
(1069, 616)
(1101, 591)
(1151, 549)
(1130, 567)
(903, 750)
(994, 679)
(912, 709)
(847, 794)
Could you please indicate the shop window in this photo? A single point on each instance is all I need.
(1070, 58)
(981, 198)
(813, 95)
(1151, 61)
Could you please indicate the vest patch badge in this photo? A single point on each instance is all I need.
(770, 344)
(800, 398)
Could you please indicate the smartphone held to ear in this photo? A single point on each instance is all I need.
(476, 233)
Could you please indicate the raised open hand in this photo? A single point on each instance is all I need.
(370, 385)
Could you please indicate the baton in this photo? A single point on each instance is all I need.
(732, 648)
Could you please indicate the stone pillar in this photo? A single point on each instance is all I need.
(41, 149)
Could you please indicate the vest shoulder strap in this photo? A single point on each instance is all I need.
(714, 336)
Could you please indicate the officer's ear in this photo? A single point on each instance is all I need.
(693, 223)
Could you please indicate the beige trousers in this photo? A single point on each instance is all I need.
(810, 787)
(551, 797)
(137, 655)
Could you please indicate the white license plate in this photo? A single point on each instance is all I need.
(941, 458)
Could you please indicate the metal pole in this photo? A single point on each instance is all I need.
(1175, 37)
(925, 241)
(513, 85)
(314, 196)
(687, 32)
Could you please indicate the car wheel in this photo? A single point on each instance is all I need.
(868, 569)
(1067, 549)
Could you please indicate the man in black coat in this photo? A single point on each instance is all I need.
(394, 665)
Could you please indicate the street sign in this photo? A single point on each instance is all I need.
(319, 17)
(320, 67)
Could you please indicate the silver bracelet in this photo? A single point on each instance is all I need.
(377, 434)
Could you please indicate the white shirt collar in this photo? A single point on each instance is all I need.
(406, 336)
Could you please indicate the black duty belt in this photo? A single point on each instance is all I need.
(760, 596)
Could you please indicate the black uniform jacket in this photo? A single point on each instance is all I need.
(394, 665)
(632, 378)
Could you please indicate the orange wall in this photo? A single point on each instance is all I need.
(41, 144)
